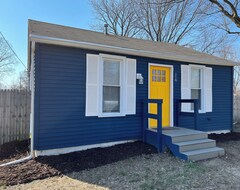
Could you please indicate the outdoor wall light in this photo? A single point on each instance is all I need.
(140, 78)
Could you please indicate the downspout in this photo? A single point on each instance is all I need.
(32, 98)
(32, 88)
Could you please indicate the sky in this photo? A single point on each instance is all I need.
(14, 15)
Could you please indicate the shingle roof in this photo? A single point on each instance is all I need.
(57, 34)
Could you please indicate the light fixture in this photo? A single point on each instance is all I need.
(140, 78)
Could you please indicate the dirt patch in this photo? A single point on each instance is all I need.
(13, 150)
(126, 166)
(154, 171)
(57, 183)
(233, 136)
(43, 167)
(26, 172)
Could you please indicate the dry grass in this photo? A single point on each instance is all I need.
(153, 172)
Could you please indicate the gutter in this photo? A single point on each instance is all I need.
(32, 78)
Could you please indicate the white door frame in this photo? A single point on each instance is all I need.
(171, 87)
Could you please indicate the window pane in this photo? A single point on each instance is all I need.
(153, 78)
(196, 94)
(111, 72)
(195, 78)
(163, 73)
(111, 99)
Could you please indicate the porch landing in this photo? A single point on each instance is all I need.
(185, 143)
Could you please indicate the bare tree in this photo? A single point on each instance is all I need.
(210, 40)
(118, 14)
(22, 82)
(184, 22)
(166, 21)
(157, 20)
(236, 81)
(7, 59)
(230, 10)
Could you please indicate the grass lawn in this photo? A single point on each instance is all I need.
(152, 171)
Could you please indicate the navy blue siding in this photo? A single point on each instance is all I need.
(60, 101)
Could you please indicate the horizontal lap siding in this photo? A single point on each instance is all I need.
(62, 122)
(60, 101)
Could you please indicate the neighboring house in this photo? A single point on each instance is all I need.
(88, 90)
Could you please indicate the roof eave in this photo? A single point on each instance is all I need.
(122, 50)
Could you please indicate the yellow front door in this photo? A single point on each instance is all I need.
(160, 89)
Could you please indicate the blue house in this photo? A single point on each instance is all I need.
(92, 89)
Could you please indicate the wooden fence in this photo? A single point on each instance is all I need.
(14, 115)
(236, 109)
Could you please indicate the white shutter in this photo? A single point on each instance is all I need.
(130, 106)
(185, 87)
(92, 85)
(208, 89)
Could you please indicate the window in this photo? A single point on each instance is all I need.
(158, 75)
(111, 86)
(196, 85)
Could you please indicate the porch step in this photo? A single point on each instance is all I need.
(203, 154)
(189, 144)
(178, 134)
(189, 137)
(196, 144)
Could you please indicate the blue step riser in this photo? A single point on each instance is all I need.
(174, 148)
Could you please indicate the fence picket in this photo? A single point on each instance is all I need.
(14, 115)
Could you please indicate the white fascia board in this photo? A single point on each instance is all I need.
(114, 49)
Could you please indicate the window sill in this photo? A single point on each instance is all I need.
(199, 111)
(112, 115)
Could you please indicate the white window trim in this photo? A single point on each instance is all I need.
(171, 87)
(202, 110)
(122, 84)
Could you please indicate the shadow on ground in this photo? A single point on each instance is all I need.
(48, 166)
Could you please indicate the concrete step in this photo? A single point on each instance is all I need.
(196, 144)
(203, 154)
(189, 137)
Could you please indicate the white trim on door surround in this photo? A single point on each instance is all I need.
(171, 86)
